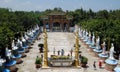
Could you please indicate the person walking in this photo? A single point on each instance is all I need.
(94, 65)
(54, 51)
(100, 64)
(58, 52)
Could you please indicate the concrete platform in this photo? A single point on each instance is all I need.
(58, 40)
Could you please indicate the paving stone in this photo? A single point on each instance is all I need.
(58, 40)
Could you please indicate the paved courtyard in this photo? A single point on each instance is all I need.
(58, 41)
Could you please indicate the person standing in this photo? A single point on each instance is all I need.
(94, 65)
(100, 64)
(71, 51)
(54, 51)
(62, 52)
(58, 52)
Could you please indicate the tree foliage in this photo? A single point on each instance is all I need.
(104, 23)
(13, 22)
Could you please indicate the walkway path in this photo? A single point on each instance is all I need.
(58, 40)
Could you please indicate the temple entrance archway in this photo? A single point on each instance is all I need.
(58, 21)
(56, 27)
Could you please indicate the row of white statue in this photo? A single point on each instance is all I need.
(16, 45)
(90, 39)
(20, 42)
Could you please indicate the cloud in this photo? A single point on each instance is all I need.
(27, 3)
(7, 1)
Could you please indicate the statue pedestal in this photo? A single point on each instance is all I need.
(22, 52)
(84, 41)
(91, 47)
(45, 67)
(96, 52)
(26, 48)
(117, 69)
(110, 64)
(89, 43)
(11, 66)
(17, 58)
(103, 57)
(6, 70)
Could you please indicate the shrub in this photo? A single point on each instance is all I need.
(84, 60)
(40, 45)
(38, 60)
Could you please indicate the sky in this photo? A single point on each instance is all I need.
(41, 5)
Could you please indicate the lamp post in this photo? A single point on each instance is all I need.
(45, 65)
(76, 50)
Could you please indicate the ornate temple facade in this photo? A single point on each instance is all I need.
(57, 21)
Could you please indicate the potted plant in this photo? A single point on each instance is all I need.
(84, 61)
(38, 62)
(40, 47)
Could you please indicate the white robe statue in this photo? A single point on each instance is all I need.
(8, 53)
(13, 44)
(19, 43)
(26, 37)
(89, 37)
(93, 42)
(23, 39)
(97, 43)
(14, 47)
(103, 48)
(111, 52)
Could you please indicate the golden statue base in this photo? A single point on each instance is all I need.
(78, 66)
(45, 67)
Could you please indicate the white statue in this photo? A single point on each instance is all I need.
(97, 43)
(8, 53)
(93, 42)
(30, 33)
(33, 30)
(84, 34)
(23, 39)
(111, 52)
(103, 48)
(26, 37)
(81, 32)
(19, 43)
(89, 37)
(36, 27)
(13, 46)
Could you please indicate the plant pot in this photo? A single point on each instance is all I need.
(38, 65)
(84, 65)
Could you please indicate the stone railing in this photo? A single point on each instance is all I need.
(61, 62)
